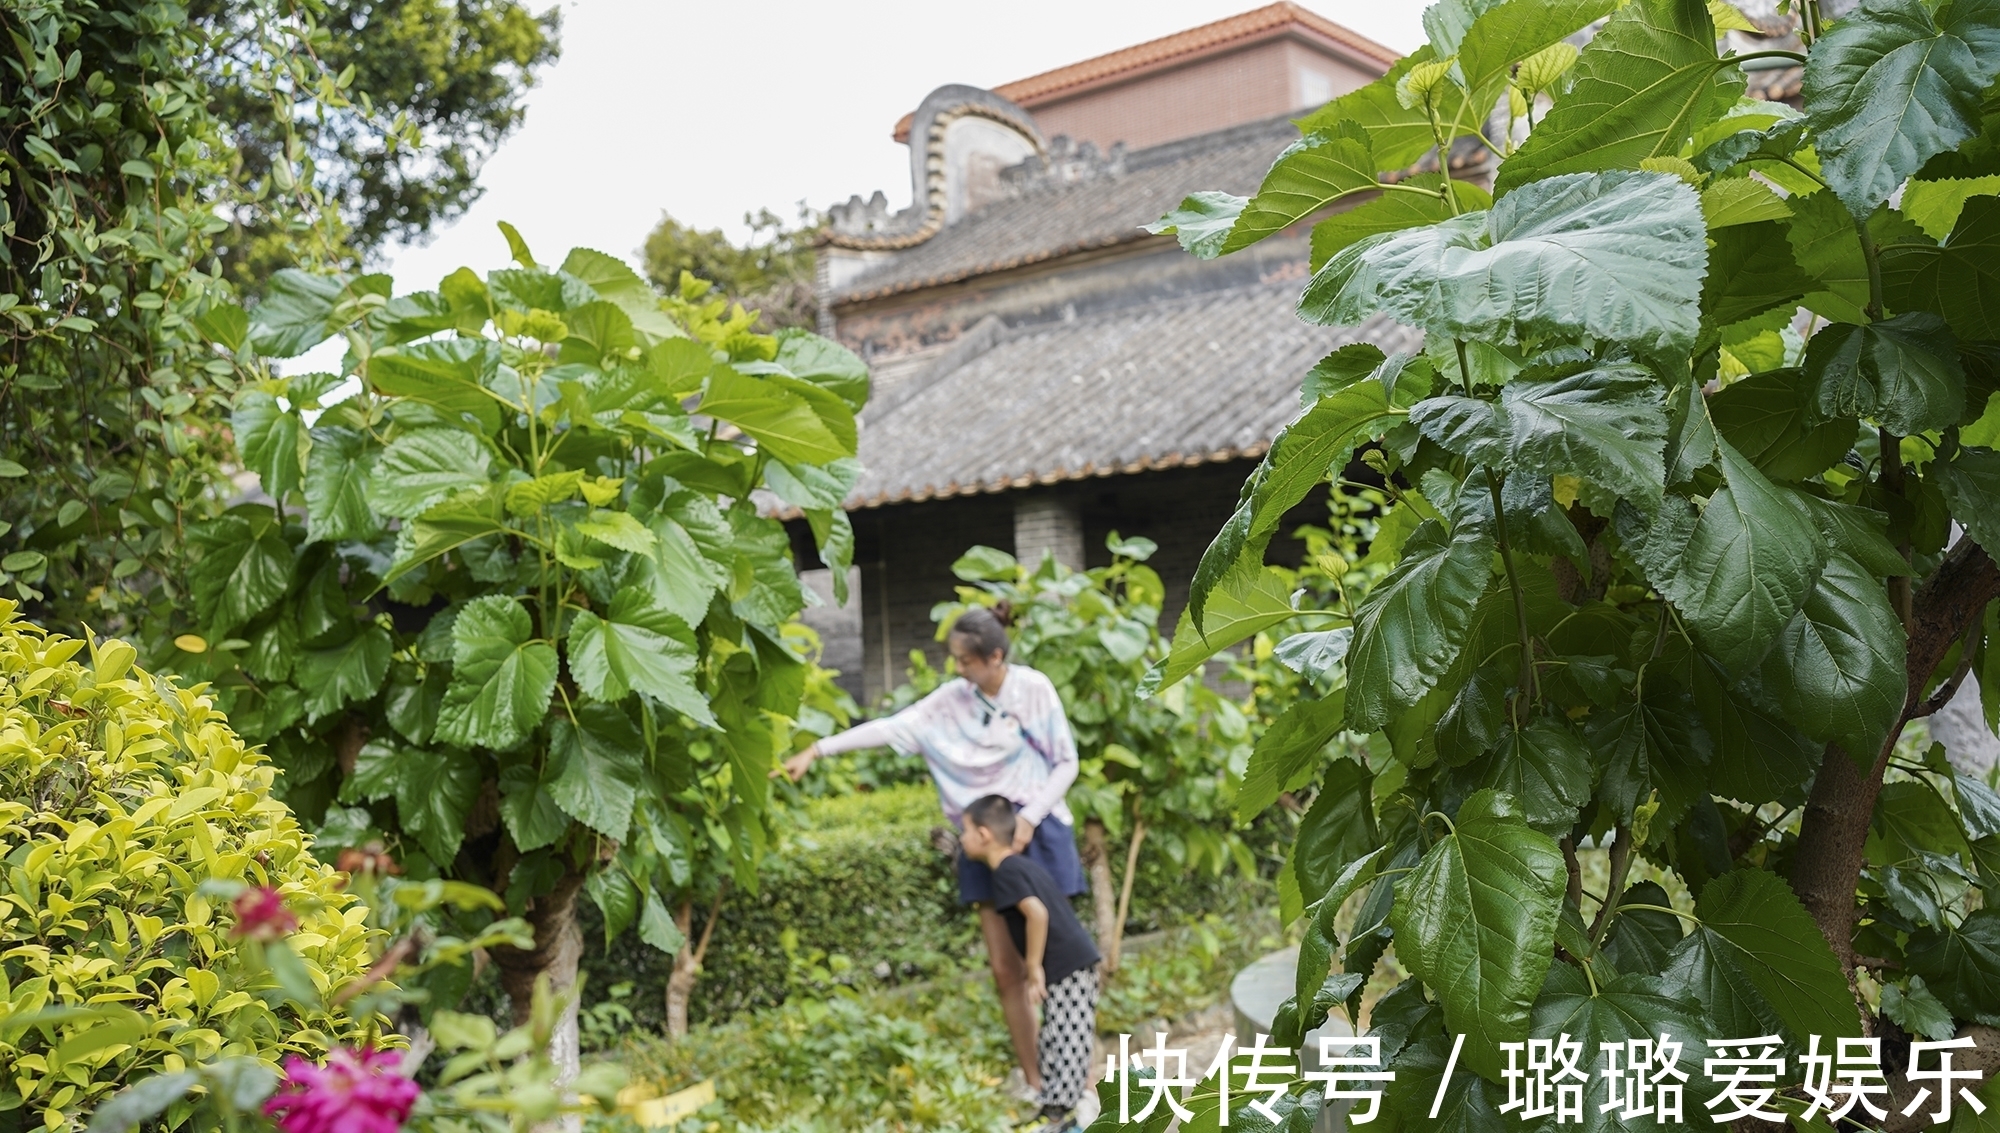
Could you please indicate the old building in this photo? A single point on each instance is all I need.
(1046, 371)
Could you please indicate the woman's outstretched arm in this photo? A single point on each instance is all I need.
(889, 731)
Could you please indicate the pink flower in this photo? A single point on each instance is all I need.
(261, 915)
(357, 1091)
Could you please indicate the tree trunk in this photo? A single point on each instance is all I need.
(1103, 901)
(687, 962)
(1826, 866)
(557, 952)
(1117, 945)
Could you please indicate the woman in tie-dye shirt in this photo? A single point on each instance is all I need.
(998, 729)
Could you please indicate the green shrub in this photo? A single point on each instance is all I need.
(128, 812)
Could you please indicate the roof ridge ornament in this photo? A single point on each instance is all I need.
(869, 226)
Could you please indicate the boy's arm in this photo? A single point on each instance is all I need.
(1036, 915)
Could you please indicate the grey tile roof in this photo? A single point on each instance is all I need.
(1210, 376)
(1048, 218)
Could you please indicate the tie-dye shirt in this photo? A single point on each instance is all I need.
(1016, 744)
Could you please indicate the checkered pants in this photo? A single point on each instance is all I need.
(1069, 1025)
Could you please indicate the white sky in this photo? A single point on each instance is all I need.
(707, 110)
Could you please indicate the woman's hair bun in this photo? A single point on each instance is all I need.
(1003, 612)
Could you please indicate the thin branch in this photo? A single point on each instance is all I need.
(1949, 688)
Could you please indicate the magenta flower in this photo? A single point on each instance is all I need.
(357, 1091)
(261, 915)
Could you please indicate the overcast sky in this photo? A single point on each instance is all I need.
(707, 110)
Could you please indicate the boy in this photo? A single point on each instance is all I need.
(1060, 957)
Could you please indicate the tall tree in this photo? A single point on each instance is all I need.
(444, 84)
(1675, 481)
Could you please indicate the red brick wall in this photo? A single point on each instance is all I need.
(1260, 81)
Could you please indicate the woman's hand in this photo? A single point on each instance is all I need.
(1038, 985)
(795, 767)
(1024, 832)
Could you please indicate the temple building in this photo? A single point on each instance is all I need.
(1045, 371)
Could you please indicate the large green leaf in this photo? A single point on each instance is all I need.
(1286, 750)
(1903, 372)
(1602, 420)
(449, 375)
(533, 819)
(1476, 921)
(617, 898)
(296, 313)
(1647, 80)
(1703, 967)
(597, 756)
(1772, 938)
(1747, 564)
(1547, 768)
(1338, 828)
(1393, 212)
(347, 673)
(1616, 256)
(1251, 598)
(614, 280)
(1309, 175)
(1971, 485)
(1962, 965)
(447, 527)
(637, 645)
(434, 792)
(1893, 85)
(824, 362)
(1410, 627)
(1751, 269)
(781, 419)
(272, 441)
(1633, 1006)
(1837, 669)
(1768, 417)
(1202, 222)
(1959, 280)
(501, 678)
(1506, 33)
(243, 568)
(336, 485)
(421, 468)
(1654, 739)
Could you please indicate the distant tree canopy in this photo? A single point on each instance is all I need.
(771, 272)
(438, 84)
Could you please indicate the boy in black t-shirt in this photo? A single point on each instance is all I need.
(1060, 957)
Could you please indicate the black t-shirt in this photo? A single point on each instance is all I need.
(1070, 948)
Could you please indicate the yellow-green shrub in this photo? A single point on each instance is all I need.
(121, 796)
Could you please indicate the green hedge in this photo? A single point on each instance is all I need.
(860, 881)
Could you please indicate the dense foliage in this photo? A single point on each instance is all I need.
(771, 272)
(147, 146)
(521, 617)
(441, 84)
(129, 813)
(1672, 492)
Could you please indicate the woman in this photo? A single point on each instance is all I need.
(998, 730)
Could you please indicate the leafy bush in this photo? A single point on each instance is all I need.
(1706, 387)
(128, 813)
